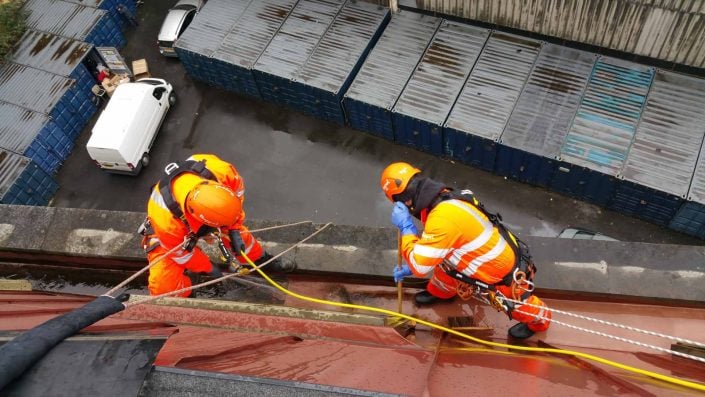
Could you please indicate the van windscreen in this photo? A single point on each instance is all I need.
(167, 44)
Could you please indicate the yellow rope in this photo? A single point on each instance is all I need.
(665, 378)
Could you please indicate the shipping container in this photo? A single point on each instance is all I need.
(531, 141)
(54, 98)
(662, 158)
(329, 71)
(111, 6)
(384, 74)
(603, 127)
(22, 182)
(292, 46)
(690, 219)
(433, 88)
(483, 107)
(223, 53)
(204, 36)
(74, 21)
(583, 183)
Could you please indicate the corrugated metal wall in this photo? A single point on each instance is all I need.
(667, 30)
(23, 182)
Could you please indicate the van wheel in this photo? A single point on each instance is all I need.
(172, 98)
(145, 160)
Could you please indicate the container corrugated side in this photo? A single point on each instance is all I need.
(483, 107)
(423, 106)
(537, 128)
(384, 74)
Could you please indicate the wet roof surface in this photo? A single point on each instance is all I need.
(379, 359)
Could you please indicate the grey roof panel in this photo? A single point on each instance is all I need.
(605, 123)
(389, 65)
(210, 26)
(439, 77)
(31, 88)
(19, 127)
(62, 18)
(11, 167)
(546, 107)
(340, 49)
(494, 85)
(669, 135)
(49, 52)
(246, 41)
(298, 37)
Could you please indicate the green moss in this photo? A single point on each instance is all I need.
(13, 20)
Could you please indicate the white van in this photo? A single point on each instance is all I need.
(126, 129)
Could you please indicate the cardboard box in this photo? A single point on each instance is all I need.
(111, 83)
(140, 69)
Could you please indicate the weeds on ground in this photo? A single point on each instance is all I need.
(13, 20)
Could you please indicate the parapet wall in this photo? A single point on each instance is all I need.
(108, 239)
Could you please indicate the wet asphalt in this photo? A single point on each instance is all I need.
(299, 168)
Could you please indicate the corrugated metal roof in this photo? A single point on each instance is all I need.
(545, 110)
(604, 125)
(496, 81)
(19, 127)
(669, 135)
(342, 46)
(49, 52)
(389, 65)
(291, 47)
(11, 166)
(258, 24)
(672, 30)
(31, 88)
(439, 77)
(209, 27)
(62, 18)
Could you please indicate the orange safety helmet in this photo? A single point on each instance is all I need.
(214, 204)
(395, 178)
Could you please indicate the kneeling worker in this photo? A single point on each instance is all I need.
(466, 248)
(196, 198)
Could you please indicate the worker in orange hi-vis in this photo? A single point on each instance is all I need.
(198, 198)
(466, 248)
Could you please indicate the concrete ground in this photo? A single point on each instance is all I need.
(296, 167)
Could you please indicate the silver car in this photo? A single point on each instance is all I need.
(177, 20)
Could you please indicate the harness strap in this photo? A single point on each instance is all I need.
(522, 260)
(172, 171)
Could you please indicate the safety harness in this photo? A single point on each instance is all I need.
(172, 171)
(520, 278)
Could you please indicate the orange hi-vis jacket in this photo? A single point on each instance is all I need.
(456, 231)
(170, 231)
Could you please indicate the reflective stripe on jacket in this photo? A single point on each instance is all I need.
(456, 231)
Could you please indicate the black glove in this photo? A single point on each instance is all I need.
(236, 243)
(190, 243)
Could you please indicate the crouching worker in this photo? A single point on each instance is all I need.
(197, 198)
(468, 250)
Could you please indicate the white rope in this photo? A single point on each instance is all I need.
(622, 326)
(278, 227)
(619, 338)
(589, 331)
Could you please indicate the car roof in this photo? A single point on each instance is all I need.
(171, 25)
(193, 3)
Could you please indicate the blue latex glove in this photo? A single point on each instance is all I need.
(401, 218)
(401, 272)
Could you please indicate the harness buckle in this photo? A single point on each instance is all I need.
(170, 168)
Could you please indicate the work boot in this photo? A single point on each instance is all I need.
(279, 265)
(520, 331)
(425, 298)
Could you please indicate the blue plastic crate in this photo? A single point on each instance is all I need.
(524, 166)
(470, 149)
(690, 219)
(583, 183)
(645, 203)
(418, 134)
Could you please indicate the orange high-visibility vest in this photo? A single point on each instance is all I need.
(459, 233)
